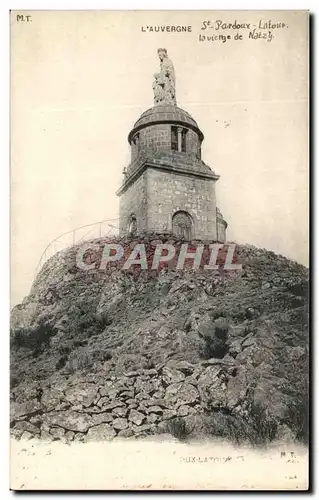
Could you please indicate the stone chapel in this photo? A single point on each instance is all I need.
(167, 187)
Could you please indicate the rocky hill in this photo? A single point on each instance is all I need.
(99, 354)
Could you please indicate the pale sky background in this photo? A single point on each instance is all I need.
(79, 80)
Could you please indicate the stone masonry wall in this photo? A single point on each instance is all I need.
(134, 200)
(158, 138)
(169, 192)
(192, 143)
(100, 407)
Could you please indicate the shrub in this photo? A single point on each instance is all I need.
(216, 339)
(82, 359)
(83, 320)
(18, 337)
(257, 428)
(297, 388)
(221, 327)
(295, 375)
(177, 427)
(218, 313)
(229, 427)
(79, 360)
(14, 381)
(103, 319)
(34, 339)
(297, 418)
(61, 362)
(264, 426)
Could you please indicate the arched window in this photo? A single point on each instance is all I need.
(183, 225)
(183, 142)
(174, 139)
(178, 139)
(132, 226)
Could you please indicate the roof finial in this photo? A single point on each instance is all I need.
(164, 81)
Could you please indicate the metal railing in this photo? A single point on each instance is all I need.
(96, 230)
(100, 229)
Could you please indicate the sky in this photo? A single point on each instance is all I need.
(79, 81)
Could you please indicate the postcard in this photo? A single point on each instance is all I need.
(159, 332)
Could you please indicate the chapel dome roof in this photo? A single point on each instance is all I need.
(163, 113)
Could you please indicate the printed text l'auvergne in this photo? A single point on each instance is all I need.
(166, 28)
